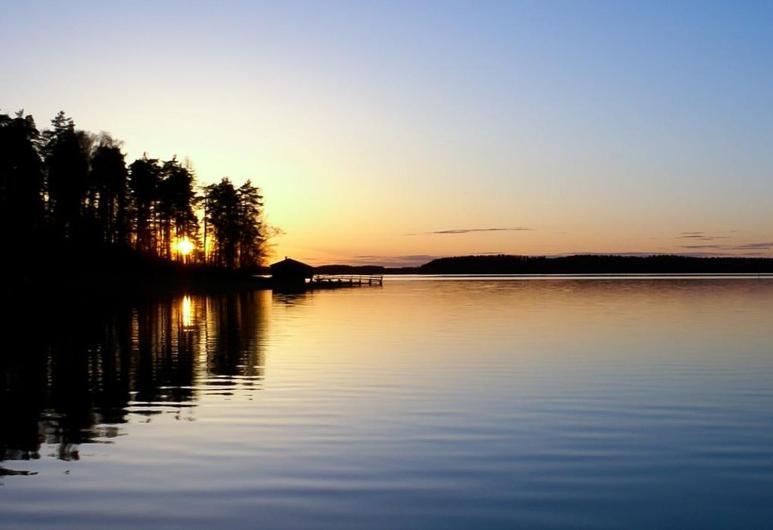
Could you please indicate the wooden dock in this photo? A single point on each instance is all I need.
(327, 281)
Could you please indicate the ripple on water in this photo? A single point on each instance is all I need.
(425, 404)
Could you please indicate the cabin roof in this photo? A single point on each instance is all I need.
(291, 265)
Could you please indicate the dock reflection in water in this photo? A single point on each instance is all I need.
(79, 372)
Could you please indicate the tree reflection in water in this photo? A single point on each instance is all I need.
(73, 371)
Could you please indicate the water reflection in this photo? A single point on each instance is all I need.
(561, 403)
(79, 370)
(187, 313)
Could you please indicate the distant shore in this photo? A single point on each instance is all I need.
(576, 264)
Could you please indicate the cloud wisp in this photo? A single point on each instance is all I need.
(456, 231)
(703, 246)
(410, 260)
(734, 249)
(755, 246)
(700, 236)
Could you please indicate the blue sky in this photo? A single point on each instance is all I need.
(394, 131)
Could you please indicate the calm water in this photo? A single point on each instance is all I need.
(423, 404)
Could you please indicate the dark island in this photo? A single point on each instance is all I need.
(75, 213)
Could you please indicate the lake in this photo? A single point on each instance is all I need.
(425, 403)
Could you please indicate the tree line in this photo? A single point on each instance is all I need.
(594, 264)
(75, 187)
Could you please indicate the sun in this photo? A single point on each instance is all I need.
(184, 246)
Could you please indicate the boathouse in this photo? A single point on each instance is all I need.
(291, 272)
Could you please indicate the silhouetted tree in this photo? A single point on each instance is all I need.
(234, 216)
(21, 180)
(221, 209)
(108, 177)
(144, 179)
(67, 172)
(176, 197)
(252, 234)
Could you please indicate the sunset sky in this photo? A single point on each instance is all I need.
(393, 132)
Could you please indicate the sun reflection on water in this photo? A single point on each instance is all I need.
(186, 312)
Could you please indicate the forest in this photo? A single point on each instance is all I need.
(69, 200)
